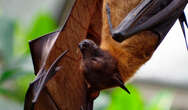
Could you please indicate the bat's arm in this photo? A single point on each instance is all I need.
(48, 75)
(155, 15)
(38, 84)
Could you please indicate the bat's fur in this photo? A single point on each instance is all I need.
(133, 52)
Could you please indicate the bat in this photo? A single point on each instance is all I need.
(99, 68)
(129, 53)
(157, 16)
(139, 31)
(63, 88)
(137, 36)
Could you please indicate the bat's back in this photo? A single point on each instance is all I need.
(133, 52)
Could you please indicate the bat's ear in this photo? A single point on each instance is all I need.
(160, 18)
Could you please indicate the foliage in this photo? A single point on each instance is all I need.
(120, 100)
(43, 23)
(16, 70)
(162, 101)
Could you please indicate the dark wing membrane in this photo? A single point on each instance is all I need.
(42, 80)
(155, 15)
(40, 48)
(38, 84)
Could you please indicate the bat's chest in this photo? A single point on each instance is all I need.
(99, 79)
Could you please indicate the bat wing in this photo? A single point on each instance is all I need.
(38, 84)
(47, 75)
(155, 15)
(40, 48)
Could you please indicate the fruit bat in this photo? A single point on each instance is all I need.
(137, 36)
(46, 49)
(100, 70)
(157, 16)
(140, 31)
(134, 50)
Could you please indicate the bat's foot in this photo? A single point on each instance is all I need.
(92, 95)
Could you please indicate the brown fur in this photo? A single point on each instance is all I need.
(133, 52)
(99, 67)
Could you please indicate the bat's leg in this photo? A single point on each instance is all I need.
(92, 95)
(90, 105)
(182, 20)
(46, 75)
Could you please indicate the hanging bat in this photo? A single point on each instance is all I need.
(138, 35)
(67, 87)
(157, 16)
(140, 32)
(126, 56)
(100, 70)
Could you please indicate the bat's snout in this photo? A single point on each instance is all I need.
(86, 44)
(83, 44)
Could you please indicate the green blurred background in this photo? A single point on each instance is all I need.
(161, 84)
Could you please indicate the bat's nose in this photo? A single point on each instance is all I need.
(84, 44)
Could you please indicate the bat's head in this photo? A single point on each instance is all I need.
(88, 47)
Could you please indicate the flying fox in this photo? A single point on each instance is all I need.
(141, 25)
(140, 28)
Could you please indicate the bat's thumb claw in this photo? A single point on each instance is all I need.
(58, 68)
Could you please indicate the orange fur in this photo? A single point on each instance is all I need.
(133, 52)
